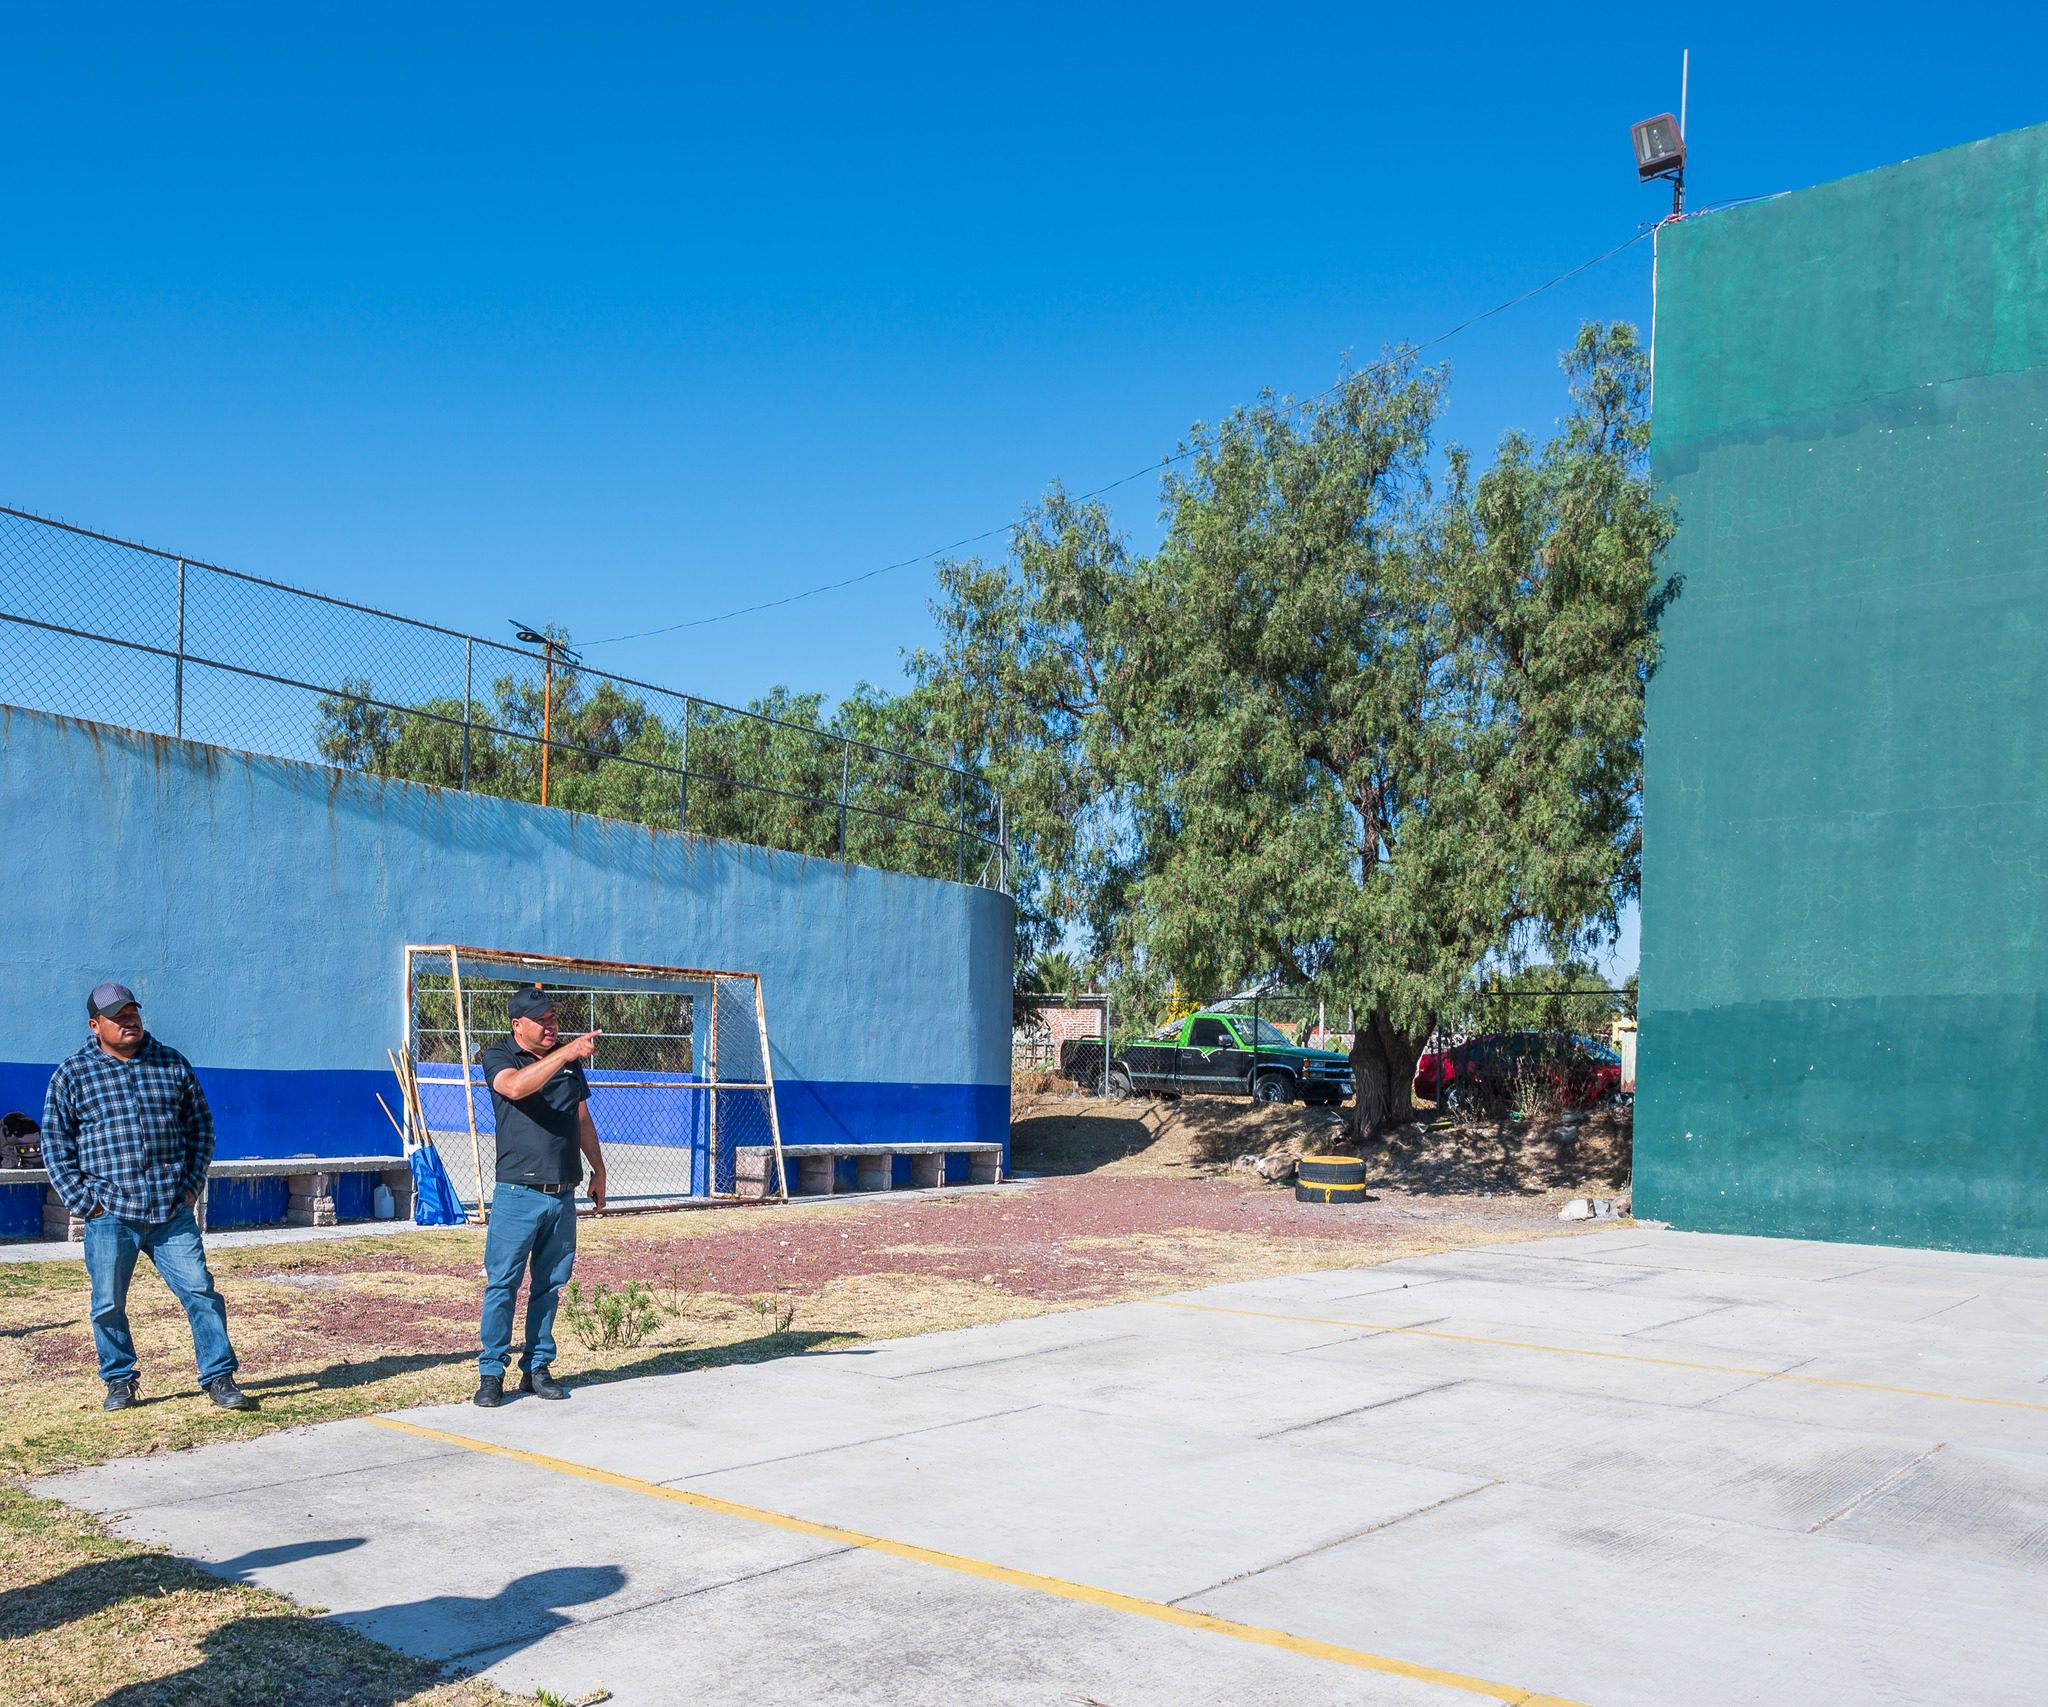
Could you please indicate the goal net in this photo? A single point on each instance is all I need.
(682, 1089)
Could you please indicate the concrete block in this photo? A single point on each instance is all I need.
(927, 1170)
(872, 1173)
(817, 1176)
(984, 1167)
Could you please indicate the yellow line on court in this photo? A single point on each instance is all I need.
(1135, 1606)
(1609, 1356)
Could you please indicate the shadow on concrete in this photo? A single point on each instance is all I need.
(85, 1590)
(329, 1662)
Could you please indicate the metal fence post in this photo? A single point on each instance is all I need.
(1002, 845)
(960, 875)
(683, 799)
(468, 678)
(178, 685)
(845, 767)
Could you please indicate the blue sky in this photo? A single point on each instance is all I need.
(632, 316)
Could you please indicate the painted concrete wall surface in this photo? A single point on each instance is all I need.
(259, 908)
(1845, 887)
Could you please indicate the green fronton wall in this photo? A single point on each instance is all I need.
(1845, 883)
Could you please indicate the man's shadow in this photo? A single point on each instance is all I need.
(238, 1658)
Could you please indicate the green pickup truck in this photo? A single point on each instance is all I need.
(1217, 1053)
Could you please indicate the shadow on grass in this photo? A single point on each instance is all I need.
(1075, 1143)
(659, 1360)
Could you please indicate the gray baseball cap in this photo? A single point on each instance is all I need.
(529, 1001)
(108, 998)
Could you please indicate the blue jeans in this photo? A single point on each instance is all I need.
(111, 1247)
(526, 1225)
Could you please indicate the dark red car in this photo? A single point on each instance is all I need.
(1492, 1068)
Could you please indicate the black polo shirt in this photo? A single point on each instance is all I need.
(538, 1137)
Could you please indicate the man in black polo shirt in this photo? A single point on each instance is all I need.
(545, 1135)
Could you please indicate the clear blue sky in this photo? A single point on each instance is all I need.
(617, 318)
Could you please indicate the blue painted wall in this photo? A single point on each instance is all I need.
(259, 908)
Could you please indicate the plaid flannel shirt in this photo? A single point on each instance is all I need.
(131, 1137)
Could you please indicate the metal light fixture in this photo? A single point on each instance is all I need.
(1660, 142)
(1660, 149)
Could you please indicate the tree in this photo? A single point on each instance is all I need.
(1366, 717)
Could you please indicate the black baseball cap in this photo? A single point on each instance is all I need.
(529, 1001)
(108, 998)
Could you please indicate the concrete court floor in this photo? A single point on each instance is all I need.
(1632, 1466)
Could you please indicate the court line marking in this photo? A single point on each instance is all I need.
(1609, 1356)
(1058, 1588)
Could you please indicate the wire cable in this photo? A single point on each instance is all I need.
(1136, 474)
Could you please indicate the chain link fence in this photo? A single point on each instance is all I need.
(681, 1091)
(104, 629)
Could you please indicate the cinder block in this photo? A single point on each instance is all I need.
(816, 1176)
(754, 1175)
(928, 1170)
(872, 1173)
(985, 1167)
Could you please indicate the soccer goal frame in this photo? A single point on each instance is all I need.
(729, 1111)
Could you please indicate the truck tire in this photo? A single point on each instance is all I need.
(1274, 1088)
(1331, 1170)
(1329, 1194)
(1120, 1087)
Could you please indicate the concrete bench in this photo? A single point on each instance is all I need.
(813, 1169)
(319, 1191)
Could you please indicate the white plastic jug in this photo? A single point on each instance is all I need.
(382, 1204)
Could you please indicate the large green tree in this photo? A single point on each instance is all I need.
(1368, 717)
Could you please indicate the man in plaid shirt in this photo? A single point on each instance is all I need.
(127, 1137)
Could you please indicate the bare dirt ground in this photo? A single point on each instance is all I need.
(1115, 1200)
(1457, 1165)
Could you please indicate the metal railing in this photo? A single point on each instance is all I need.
(105, 629)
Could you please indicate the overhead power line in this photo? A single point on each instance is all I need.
(1136, 474)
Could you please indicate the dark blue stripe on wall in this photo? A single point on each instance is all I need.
(268, 1113)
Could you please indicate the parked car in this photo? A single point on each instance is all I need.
(1493, 1069)
(1220, 1054)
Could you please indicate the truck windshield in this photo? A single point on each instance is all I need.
(1262, 1033)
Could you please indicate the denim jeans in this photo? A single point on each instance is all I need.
(112, 1245)
(526, 1225)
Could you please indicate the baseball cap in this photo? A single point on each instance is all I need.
(108, 998)
(529, 1001)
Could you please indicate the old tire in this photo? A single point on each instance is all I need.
(1331, 1170)
(1120, 1087)
(1329, 1194)
(1273, 1089)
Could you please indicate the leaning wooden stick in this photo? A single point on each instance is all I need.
(388, 1115)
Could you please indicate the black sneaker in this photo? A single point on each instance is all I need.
(540, 1383)
(122, 1394)
(490, 1392)
(224, 1393)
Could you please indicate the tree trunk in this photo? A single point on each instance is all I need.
(1382, 1075)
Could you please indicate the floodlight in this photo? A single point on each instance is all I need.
(1660, 149)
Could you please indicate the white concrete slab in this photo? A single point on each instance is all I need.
(1120, 1504)
(1174, 1380)
(721, 1418)
(1599, 1603)
(857, 1630)
(1565, 1468)
(1626, 1452)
